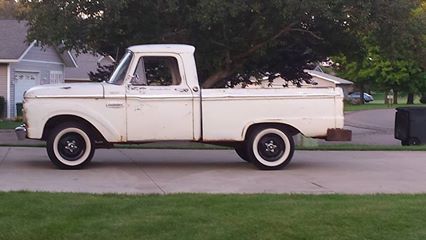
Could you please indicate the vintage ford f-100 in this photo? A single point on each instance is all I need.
(154, 95)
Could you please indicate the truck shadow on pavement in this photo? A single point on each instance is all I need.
(152, 165)
(171, 165)
(174, 166)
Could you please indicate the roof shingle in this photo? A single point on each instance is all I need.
(12, 39)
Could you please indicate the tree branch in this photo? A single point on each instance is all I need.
(259, 45)
(235, 63)
(306, 31)
(219, 43)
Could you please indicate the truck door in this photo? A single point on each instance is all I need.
(159, 101)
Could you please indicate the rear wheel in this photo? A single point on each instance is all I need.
(70, 146)
(270, 148)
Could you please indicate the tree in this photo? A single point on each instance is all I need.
(234, 39)
(375, 70)
(399, 64)
(8, 9)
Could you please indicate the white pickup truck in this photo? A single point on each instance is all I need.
(154, 95)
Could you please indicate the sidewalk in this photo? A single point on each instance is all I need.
(8, 138)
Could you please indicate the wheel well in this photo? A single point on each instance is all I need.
(288, 128)
(55, 121)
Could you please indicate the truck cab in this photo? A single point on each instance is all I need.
(159, 83)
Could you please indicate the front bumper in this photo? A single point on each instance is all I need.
(21, 132)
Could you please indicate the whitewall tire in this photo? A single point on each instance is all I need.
(270, 148)
(70, 146)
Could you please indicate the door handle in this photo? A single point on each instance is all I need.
(182, 89)
(114, 105)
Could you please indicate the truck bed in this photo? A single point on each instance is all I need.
(227, 113)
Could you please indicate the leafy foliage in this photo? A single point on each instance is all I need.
(399, 64)
(383, 73)
(234, 39)
(8, 9)
(102, 74)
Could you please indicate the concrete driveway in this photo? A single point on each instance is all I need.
(215, 171)
(372, 127)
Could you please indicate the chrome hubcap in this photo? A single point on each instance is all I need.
(71, 146)
(270, 146)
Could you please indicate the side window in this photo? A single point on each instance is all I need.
(139, 75)
(157, 71)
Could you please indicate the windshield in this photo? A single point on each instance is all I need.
(119, 73)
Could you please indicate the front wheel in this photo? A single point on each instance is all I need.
(270, 148)
(241, 151)
(70, 146)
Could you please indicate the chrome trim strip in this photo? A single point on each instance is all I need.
(70, 96)
(226, 98)
(160, 98)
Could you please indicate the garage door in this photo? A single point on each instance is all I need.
(23, 82)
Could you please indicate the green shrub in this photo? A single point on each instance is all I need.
(423, 99)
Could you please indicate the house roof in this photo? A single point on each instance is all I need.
(328, 77)
(86, 63)
(13, 43)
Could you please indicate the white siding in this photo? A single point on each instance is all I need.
(323, 83)
(3, 80)
(44, 72)
(3, 85)
(56, 77)
(48, 54)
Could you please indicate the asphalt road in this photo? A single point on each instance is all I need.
(136, 171)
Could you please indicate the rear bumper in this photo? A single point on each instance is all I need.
(21, 132)
(338, 134)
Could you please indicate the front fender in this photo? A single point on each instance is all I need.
(109, 122)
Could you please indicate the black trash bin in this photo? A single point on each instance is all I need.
(410, 125)
(19, 107)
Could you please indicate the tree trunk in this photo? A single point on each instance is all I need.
(410, 98)
(361, 95)
(395, 96)
(386, 97)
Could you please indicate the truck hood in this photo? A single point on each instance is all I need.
(67, 90)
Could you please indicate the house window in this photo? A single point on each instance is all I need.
(56, 77)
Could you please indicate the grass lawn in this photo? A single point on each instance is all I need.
(362, 147)
(370, 106)
(378, 103)
(8, 124)
(25, 215)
